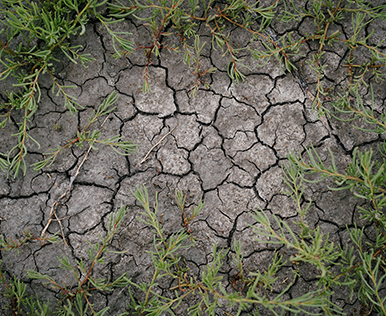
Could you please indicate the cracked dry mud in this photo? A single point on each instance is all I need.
(228, 147)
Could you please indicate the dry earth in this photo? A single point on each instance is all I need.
(226, 146)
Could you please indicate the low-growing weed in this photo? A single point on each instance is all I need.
(33, 34)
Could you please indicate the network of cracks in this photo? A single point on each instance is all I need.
(226, 147)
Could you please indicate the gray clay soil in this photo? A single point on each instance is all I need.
(227, 147)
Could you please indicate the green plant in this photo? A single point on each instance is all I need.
(73, 298)
(324, 14)
(364, 263)
(10, 244)
(217, 18)
(92, 138)
(185, 19)
(34, 34)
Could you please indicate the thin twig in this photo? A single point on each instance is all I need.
(53, 207)
(61, 227)
(104, 121)
(159, 142)
(80, 166)
(50, 216)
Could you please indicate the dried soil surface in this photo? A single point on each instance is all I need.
(227, 148)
